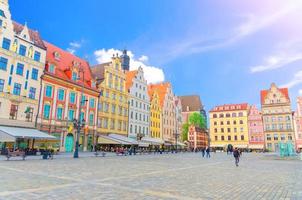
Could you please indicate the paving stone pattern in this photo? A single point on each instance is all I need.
(183, 176)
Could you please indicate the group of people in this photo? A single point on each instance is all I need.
(206, 152)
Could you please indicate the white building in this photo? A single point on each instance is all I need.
(139, 104)
(22, 61)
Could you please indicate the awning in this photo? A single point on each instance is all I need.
(153, 141)
(143, 144)
(181, 144)
(218, 145)
(123, 138)
(256, 146)
(240, 145)
(103, 139)
(10, 134)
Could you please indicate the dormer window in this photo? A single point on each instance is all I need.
(74, 76)
(93, 84)
(51, 69)
(24, 36)
(57, 55)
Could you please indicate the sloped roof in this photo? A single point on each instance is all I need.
(162, 90)
(98, 71)
(130, 75)
(191, 103)
(230, 107)
(264, 93)
(65, 63)
(34, 35)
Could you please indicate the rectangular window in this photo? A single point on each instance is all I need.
(3, 63)
(283, 137)
(268, 137)
(17, 89)
(27, 74)
(83, 101)
(37, 56)
(72, 98)
(22, 50)
(82, 116)
(91, 103)
(229, 138)
(235, 137)
(70, 115)
(25, 87)
(61, 94)
(242, 137)
(51, 69)
(32, 93)
(91, 119)
(113, 109)
(59, 113)
(1, 85)
(1, 23)
(276, 137)
(46, 111)
(48, 92)
(20, 69)
(6, 44)
(2, 13)
(34, 74)
(74, 76)
(222, 138)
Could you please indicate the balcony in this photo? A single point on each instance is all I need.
(19, 99)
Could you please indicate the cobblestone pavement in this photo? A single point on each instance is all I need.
(182, 176)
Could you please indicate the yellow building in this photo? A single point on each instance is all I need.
(155, 112)
(228, 125)
(113, 100)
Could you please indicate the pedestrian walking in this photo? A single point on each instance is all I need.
(236, 154)
(208, 152)
(203, 152)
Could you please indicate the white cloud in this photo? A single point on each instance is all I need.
(297, 79)
(300, 92)
(276, 61)
(253, 23)
(152, 74)
(74, 46)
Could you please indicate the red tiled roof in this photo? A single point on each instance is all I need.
(230, 107)
(162, 90)
(130, 75)
(263, 94)
(34, 35)
(65, 63)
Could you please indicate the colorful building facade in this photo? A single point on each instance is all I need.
(65, 78)
(229, 125)
(167, 103)
(198, 138)
(255, 128)
(178, 117)
(155, 113)
(139, 106)
(298, 124)
(113, 100)
(22, 61)
(277, 117)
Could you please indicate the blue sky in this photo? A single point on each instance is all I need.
(225, 51)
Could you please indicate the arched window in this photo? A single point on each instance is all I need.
(234, 115)
(215, 116)
(221, 115)
(240, 114)
(228, 115)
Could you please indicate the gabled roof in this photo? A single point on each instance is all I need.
(230, 107)
(264, 93)
(34, 35)
(64, 64)
(162, 89)
(130, 75)
(191, 103)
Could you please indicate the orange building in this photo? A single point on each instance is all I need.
(65, 78)
(197, 138)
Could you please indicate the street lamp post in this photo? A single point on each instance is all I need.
(78, 123)
(176, 134)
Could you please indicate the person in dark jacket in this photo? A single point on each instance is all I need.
(236, 154)
(208, 152)
(203, 152)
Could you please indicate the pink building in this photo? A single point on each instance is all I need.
(298, 124)
(255, 127)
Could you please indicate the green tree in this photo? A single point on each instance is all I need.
(198, 120)
(185, 130)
